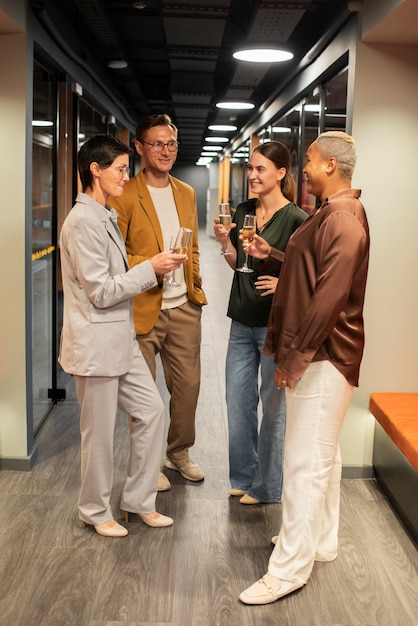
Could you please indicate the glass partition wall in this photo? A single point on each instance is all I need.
(62, 121)
(321, 109)
(43, 241)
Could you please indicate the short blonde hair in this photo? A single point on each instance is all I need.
(342, 147)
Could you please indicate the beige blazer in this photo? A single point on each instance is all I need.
(140, 227)
(98, 336)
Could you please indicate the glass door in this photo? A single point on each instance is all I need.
(43, 243)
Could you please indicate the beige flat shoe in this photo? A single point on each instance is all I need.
(246, 499)
(267, 590)
(237, 492)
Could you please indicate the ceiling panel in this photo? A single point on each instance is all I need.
(179, 54)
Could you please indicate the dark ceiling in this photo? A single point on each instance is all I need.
(179, 54)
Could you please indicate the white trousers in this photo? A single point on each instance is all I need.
(312, 473)
(136, 394)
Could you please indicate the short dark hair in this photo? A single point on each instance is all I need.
(158, 119)
(101, 149)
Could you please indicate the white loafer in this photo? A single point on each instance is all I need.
(267, 590)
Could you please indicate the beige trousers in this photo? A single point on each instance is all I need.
(136, 394)
(176, 337)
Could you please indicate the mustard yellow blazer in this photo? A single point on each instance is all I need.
(140, 227)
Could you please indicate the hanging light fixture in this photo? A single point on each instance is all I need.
(235, 105)
(217, 139)
(117, 64)
(263, 55)
(222, 127)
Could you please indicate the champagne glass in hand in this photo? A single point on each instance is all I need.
(247, 233)
(179, 246)
(225, 219)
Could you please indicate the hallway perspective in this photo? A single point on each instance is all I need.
(55, 572)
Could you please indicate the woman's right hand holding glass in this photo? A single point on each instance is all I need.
(222, 235)
(221, 232)
(167, 261)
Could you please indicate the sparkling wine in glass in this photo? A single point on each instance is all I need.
(180, 246)
(225, 219)
(247, 233)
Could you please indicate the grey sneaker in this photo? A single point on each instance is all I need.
(187, 468)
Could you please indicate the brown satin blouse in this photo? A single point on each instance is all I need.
(317, 310)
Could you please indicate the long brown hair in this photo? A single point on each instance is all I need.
(277, 152)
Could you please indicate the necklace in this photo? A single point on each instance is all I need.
(264, 216)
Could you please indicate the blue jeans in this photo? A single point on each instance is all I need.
(255, 454)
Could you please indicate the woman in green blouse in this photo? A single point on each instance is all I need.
(256, 449)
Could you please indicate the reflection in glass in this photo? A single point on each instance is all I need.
(323, 109)
(91, 123)
(238, 183)
(43, 251)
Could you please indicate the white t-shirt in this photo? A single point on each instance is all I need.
(163, 200)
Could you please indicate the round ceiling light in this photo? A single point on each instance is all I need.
(42, 123)
(222, 127)
(263, 55)
(215, 139)
(117, 64)
(235, 105)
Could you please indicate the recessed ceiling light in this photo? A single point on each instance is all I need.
(263, 55)
(117, 64)
(223, 127)
(235, 105)
(281, 129)
(212, 148)
(139, 5)
(311, 108)
(215, 139)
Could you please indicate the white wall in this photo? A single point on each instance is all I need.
(13, 428)
(385, 126)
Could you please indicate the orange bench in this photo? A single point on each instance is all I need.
(395, 453)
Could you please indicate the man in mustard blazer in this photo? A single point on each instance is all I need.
(167, 319)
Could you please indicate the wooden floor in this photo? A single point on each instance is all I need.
(54, 572)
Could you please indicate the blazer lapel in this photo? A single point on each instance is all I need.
(118, 241)
(149, 210)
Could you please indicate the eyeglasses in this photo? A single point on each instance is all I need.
(124, 170)
(158, 146)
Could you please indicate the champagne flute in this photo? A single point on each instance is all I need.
(247, 233)
(225, 219)
(179, 246)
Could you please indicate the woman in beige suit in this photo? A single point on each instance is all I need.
(98, 344)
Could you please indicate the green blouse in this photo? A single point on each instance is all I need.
(246, 305)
